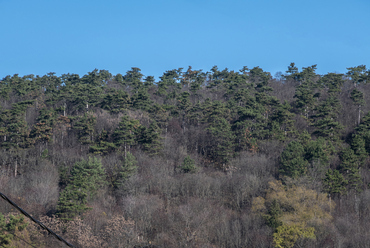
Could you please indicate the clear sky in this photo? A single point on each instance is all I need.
(77, 36)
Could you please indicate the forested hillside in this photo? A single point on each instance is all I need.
(197, 159)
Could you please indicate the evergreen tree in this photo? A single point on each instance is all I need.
(358, 99)
(183, 107)
(334, 183)
(357, 74)
(221, 148)
(282, 123)
(304, 99)
(188, 165)
(292, 162)
(350, 168)
(325, 119)
(87, 178)
(304, 95)
(193, 79)
(103, 145)
(133, 79)
(318, 151)
(358, 145)
(141, 99)
(43, 130)
(96, 78)
(11, 231)
(169, 79)
(332, 82)
(123, 172)
(151, 139)
(273, 215)
(363, 130)
(14, 128)
(127, 133)
(116, 101)
(292, 72)
(85, 127)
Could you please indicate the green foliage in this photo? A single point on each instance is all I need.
(87, 178)
(11, 229)
(282, 123)
(292, 72)
(273, 215)
(169, 80)
(116, 101)
(127, 133)
(357, 97)
(14, 128)
(133, 78)
(188, 165)
(45, 153)
(124, 171)
(357, 74)
(358, 145)
(334, 183)
(103, 145)
(85, 127)
(292, 162)
(193, 79)
(151, 139)
(221, 148)
(331, 81)
(72, 202)
(350, 168)
(304, 98)
(318, 151)
(141, 99)
(213, 116)
(43, 130)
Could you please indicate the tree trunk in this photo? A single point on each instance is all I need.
(15, 168)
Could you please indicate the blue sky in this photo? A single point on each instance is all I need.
(78, 36)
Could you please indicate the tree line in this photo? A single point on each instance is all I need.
(196, 159)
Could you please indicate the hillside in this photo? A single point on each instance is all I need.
(196, 159)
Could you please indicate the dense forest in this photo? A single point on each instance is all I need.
(196, 159)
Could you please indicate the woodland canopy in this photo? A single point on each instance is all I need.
(196, 159)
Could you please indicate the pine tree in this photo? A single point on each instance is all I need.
(151, 139)
(141, 99)
(43, 130)
(350, 168)
(358, 145)
(357, 74)
(103, 145)
(127, 133)
(123, 172)
(334, 183)
(85, 126)
(318, 153)
(11, 231)
(116, 101)
(358, 99)
(292, 162)
(281, 121)
(332, 82)
(221, 148)
(325, 119)
(188, 165)
(133, 79)
(292, 72)
(363, 131)
(87, 178)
